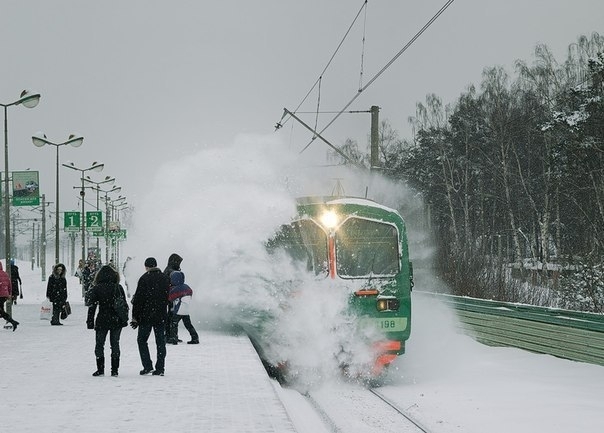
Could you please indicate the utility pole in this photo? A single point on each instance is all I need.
(33, 244)
(43, 239)
(72, 237)
(375, 124)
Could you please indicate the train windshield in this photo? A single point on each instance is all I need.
(366, 248)
(304, 241)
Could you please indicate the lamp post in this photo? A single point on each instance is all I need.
(94, 167)
(39, 140)
(106, 200)
(109, 181)
(29, 101)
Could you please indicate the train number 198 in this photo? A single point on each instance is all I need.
(388, 324)
(393, 324)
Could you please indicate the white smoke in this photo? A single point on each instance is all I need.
(217, 208)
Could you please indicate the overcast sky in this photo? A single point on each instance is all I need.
(149, 81)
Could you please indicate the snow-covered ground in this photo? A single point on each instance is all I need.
(446, 381)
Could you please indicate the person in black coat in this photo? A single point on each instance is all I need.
(102, 293)
(150, 313)
(56, 291)
(15, 281)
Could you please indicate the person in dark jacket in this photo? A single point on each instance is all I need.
(88, 274)
(180, 296)
(174, 262)
(56, 292)
(150, 313)
(102, 293)
(15, 281)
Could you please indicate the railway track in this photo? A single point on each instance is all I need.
(351, 409)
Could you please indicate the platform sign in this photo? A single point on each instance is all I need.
(119, 235)
(94, 221)
(71, 221)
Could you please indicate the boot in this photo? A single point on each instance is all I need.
(115, 365)
(55, 316)
(15, 323)
(100, 367)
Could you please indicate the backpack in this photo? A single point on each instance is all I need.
(120, 306)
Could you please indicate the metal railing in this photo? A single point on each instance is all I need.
(567, 334)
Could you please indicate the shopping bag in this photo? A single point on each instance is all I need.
(45, 310)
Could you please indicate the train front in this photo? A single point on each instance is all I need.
(363, 246)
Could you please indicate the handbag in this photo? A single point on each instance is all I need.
(120, 305)
(66, 310)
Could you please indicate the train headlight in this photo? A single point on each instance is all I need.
(388, 304)
(329, 219)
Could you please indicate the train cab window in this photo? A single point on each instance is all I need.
(304, 241)
(366, 248)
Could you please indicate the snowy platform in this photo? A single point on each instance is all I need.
(216, 386)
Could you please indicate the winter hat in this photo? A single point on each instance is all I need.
(150, 262)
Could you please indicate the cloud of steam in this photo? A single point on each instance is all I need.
(217, 208)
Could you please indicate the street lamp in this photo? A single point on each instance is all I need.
(29, 101)
(39, 140)
(106, 200)
(94, 167)
(108, 181)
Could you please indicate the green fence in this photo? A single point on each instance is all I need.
(564, 333)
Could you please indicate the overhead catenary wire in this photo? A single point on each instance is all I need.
(318, 109)
(318, 81)
(386, 66)
(363, 50)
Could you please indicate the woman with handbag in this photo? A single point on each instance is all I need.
(103, 293)
(56, 292)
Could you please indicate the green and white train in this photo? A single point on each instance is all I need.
(363, 245)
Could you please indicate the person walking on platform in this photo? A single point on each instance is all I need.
(88, 273)
(56, 291)
(174, 262)
(180, 296)
(15, 281)
(150, 313)
(78, 272)
(6, 292)
(103, 292)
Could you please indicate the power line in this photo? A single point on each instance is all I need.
(376, 76)
(318, 81)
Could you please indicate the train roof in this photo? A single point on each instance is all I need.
(341, 200)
